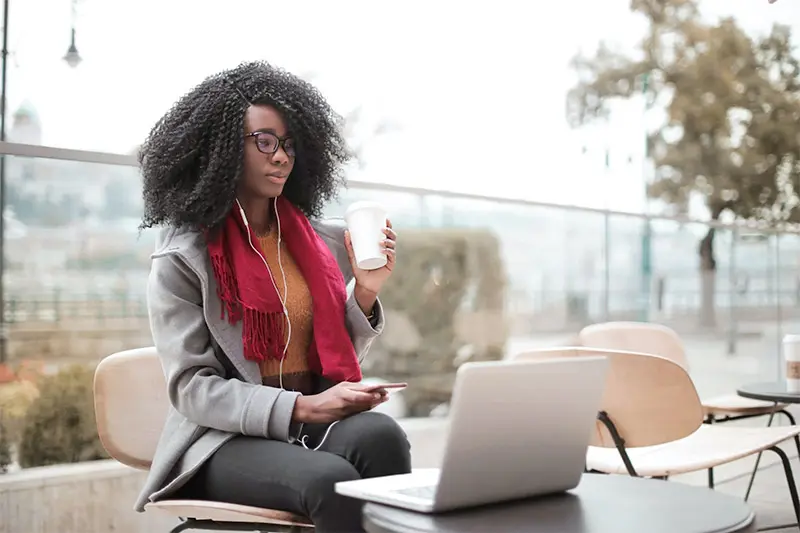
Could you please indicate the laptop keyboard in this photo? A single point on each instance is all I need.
(425, 493)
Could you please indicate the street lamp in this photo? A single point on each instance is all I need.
(3, 67)
(72, 57)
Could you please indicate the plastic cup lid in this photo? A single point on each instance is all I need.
(365, 204)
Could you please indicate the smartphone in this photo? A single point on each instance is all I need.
(377, 386)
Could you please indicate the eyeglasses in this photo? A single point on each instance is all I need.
(268, 143)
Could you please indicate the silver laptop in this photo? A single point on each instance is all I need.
(517, 429)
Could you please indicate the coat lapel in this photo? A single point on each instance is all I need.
(227, 335)
(188, 245)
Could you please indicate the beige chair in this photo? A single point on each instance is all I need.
(131, 405)
(661, 340)
(651, 422)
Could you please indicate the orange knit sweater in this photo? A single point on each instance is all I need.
(296, 375)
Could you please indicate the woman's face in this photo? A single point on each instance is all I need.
(268, 153)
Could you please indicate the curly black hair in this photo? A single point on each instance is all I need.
(193, 157)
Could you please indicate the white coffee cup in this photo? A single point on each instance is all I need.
(365, 221)
(791, 357)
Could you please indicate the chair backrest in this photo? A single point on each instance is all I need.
(642, 337)
(131, 405)
(650, 399)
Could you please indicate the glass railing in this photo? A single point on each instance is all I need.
(75, 262)
(478, 278)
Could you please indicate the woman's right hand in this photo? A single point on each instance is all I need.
(337, 402)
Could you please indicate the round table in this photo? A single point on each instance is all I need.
(600, 504)
(774, 391)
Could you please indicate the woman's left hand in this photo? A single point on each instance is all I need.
(372, 280)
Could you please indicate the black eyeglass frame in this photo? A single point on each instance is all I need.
(291, 152)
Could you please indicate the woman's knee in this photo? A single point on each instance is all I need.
(321, 484)
(379, 435)
(328, 510)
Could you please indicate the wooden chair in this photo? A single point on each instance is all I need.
(650, 422)
(661, 340)
(131, 405)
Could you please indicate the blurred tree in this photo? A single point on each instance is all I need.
(732, 105)
(5, 446)
(357, 131)
(359, 134)
(42, 209)
(120, 200)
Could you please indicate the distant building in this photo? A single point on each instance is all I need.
(84, 183)
(26, 126)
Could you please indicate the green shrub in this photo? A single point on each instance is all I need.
(59, 425)
(15, 399)
(445, 304)
(5, 446)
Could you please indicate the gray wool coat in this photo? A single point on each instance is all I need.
(215, 393)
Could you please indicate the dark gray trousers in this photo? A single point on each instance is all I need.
(277, 475)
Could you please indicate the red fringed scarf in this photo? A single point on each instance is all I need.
(247, 293)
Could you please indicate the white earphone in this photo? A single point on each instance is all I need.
(303, 438)
(272, 278)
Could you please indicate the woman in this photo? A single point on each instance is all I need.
(260, 344)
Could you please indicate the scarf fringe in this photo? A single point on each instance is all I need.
(263, 335)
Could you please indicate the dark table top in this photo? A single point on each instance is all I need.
(600, 504)
(771, 392)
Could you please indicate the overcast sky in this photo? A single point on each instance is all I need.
(477, 88)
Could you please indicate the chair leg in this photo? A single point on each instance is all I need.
(183, 526)
(787, 468)
(797, 443)
(758, 461)
(788, 415)
(619, 442)
(710, 419)
(210, 525)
